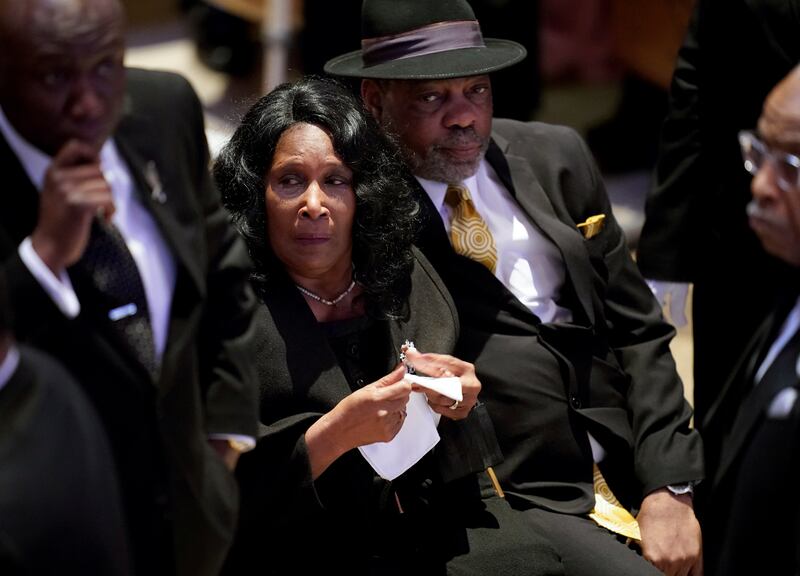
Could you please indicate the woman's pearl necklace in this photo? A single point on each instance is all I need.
(325, 301)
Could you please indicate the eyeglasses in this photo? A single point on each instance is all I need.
(755, 153)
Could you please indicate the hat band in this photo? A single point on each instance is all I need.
(439, 37)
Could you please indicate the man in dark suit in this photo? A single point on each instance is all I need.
(567, 339)
(751, 519)
(124, 266)
(696, 228)
(48, 431)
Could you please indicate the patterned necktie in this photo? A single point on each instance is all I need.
(469, 233)
(115, 275)
(609, 513)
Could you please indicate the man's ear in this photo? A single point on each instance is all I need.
(372, 96)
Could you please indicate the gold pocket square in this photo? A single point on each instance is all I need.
(592, 226)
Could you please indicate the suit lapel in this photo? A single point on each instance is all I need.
(781, 374)
(134, 136)
(518, 177)
(735, 388)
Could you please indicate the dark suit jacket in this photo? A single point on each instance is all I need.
(696, 228)
(346, 519)
(60, 511)
(616, 373)
(158, 430)
(748, 511)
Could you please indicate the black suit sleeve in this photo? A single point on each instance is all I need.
(668, 243)
(228, 329)
(666, 450)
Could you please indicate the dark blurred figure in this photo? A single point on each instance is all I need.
(696, 226)
(123, 264)
(751, 523)
(329, 28)
(628, 141)
(645, 38)
(516, 91)
(60, 511)
(226, 41)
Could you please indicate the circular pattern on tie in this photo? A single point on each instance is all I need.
(469, 232)
(476, 243)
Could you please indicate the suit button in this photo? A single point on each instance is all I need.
(575, 401)
(360, 382)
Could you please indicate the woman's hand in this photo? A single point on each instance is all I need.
(443, 365)
(375, 413)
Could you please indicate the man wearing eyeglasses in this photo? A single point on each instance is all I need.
(752, 432)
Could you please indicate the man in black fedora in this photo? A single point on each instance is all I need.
(567, 339)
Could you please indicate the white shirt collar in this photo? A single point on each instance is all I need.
(9, 365)
(34, 161)
(437, 190)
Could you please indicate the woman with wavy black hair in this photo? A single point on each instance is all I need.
(386, 212)
(327, 211)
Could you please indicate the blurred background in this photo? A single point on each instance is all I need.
(600, 66)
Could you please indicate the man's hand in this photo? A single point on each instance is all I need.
(671, 538)
(74, 192)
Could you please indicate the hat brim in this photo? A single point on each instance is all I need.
(496, 55)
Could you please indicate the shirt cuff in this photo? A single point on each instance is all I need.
(238, 442)
(680, 489)
(59, 288)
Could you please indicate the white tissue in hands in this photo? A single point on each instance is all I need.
(450, 387)
(416, 437)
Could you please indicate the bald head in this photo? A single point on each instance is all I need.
(774, 213)
(780, 119)
(59, 18)
(56, 21)
(61, 72)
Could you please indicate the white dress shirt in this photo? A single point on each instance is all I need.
(528, 263)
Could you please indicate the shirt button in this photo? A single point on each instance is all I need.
(575, 401)
(359, 382)
(354, 350)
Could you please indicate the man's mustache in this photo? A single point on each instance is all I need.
(461, 137)
(757, 212)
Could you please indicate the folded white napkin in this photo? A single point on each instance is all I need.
(418, 434)
(416, 437)
(450, 387)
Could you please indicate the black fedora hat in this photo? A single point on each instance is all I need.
(423, 39)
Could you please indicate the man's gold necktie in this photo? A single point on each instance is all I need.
(469, 233)
(608, 511)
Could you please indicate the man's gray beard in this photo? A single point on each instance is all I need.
(438, 167)
(435, 165)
